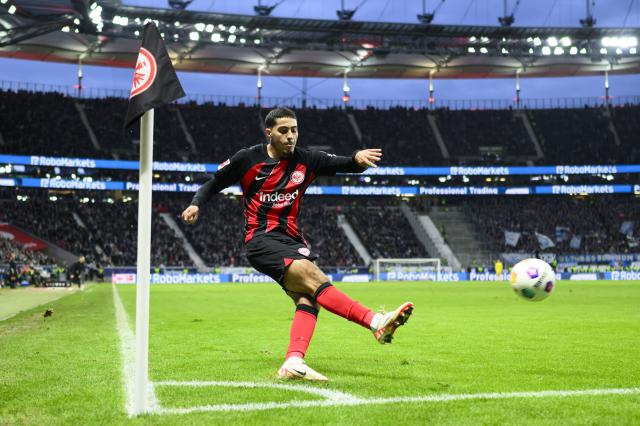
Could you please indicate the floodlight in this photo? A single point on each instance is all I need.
(603, 50)
(471, 50)
(232, 29)
(216, 37)
(537, 41)
(558, 51)
(565, 41)
(546, 50)
(200, 26)
(573, 50)
(552, 41)
(232, 38)
(633, 51)
(194, 36)
(209, 28)
(483, 50)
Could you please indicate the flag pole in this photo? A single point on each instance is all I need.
(144, 265)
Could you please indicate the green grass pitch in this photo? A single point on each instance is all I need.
(463, 338)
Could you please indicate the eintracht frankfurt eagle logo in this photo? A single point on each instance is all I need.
(297, 177)
(145, 73)
(304, 251)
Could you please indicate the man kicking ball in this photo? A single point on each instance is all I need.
(273, 178)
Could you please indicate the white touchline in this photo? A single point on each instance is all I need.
(329, 394)
(354, 401)
(127, 348)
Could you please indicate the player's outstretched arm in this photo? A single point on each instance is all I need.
(228, 172)
(368, 157)
(190, 214)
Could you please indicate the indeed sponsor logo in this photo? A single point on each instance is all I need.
(278, 197)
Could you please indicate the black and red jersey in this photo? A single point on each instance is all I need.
(273, 189)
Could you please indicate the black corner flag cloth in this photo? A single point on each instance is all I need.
(155, 82)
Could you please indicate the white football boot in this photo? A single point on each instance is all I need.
(295, 368)
(386, 324)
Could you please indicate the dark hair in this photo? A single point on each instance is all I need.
(274, 114)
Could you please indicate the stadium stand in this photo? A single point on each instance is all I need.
(597, 225)
(220, 131)
(319, 223)
(403, 134)
(627, 124)
(50, 221)
(115, 228)
(383, 229)
(43, 124)
(106, 117)
(494, 135)
(9, 248)
(50, 124)
(574, 136)
(217, 237)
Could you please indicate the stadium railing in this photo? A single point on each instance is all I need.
(313, 102)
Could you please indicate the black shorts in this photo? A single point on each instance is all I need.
(271, 253)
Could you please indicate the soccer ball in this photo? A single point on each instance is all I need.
(532, 279)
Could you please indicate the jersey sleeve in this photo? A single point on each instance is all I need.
(228, 173)
(325, 164)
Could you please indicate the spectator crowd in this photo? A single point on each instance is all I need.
(596, 223)
(52, 124)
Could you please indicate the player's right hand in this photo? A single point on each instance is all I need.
(190, 214)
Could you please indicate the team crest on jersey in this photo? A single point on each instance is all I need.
(304, 251)
(297, 177)
(145, 73)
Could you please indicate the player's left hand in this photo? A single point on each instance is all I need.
(368, 157)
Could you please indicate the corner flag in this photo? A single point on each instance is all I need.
(154, 84)
(154, 81)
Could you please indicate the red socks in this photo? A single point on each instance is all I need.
(336, 302)
(304, 322)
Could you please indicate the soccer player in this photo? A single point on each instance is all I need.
(274, 177)
(76, 270)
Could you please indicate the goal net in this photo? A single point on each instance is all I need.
(414, 269)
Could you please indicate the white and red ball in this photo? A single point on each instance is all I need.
(532, 279)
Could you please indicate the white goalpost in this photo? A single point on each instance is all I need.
(418, 266)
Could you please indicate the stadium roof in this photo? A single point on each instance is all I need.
(108, 33)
